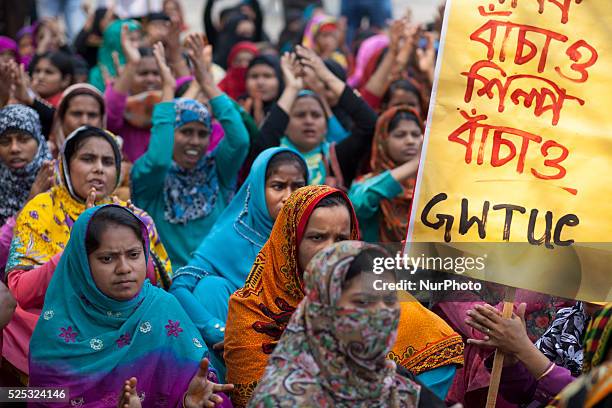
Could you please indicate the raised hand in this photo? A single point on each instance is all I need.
(128, 397)
(168, 81)
(43, 180)
(200, 55)
(130, 50)
(21, 81)
(427, 57)
(201, 390)
(91, 198)
(288, 66)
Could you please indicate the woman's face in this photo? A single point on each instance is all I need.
(245, 29)
(17, 149)
(147, 77)
(261, 80)
(47, 79)
(93, 166)
(404, 97)
(325, 226)
(404, 142)
(82, 110)
(242, 59)
(6, 56)
(361, 293)
(118, 266)
(190, 144)
(327, 42)
(307, 124)
(26, 47)
(283, 181)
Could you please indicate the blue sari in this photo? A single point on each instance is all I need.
(223, 260)
(90, 343)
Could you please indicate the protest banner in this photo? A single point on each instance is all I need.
(518, 146)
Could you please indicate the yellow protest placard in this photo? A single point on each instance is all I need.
(519, 140)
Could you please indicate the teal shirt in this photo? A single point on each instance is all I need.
(149, 171)
(366, 196)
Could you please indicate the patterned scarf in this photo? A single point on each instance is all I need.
(562, 342)
(594, 387)
(43, 227)
(394, 221)
(16, 184)
(90, 344)
(597, 339)
(191, 194)
(335, 355)
(259, 312)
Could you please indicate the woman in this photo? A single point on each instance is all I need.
(337, 317)
(238, 60)
(8, 50)
(130, 98)
(264, 85)
(472, 381)
(243, 227)
(104, 323)
(80, 105)
(111, 43)
(25, 168)
(89, 168)
(313, 218)
(51, 73)
(382, 198)
(301, 117)
(528, 373)
(184, 188)
(323, 36)
(215, 272)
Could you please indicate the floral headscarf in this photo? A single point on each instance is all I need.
(16, 183)
(331, 355)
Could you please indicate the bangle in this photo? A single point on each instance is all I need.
(549, 368)
(185, 400)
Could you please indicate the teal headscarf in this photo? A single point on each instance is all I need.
(241, 230)
(315, 159)
(111, 42)
(90, 343)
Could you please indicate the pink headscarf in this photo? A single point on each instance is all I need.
(368, 49)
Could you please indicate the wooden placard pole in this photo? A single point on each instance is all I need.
(498, 361)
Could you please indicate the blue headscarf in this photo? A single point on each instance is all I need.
(90, 343)
(191, 194)
(241, 230)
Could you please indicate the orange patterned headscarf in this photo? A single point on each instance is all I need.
(424, 340)
(394, 222)
(259, 312)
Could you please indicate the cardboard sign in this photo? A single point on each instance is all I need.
(518, 146)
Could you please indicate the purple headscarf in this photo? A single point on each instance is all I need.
(368, 48)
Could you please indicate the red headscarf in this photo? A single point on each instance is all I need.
(234, 83)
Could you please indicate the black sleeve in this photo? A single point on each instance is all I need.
(271, 131)
(259, 33)
(80, 42)
(46, 113)
(209, 27)
(358, 144)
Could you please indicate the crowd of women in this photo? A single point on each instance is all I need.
(191, 220)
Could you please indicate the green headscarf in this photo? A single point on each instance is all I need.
(111, 42)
